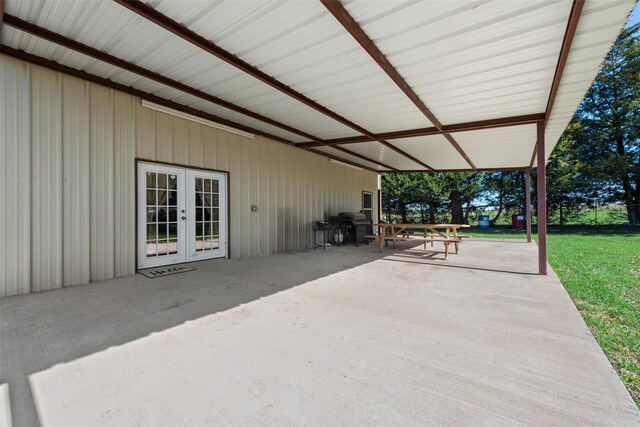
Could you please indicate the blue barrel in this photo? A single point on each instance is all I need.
(483, 221)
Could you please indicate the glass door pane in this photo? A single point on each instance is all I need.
(161, 227)
(207, 192)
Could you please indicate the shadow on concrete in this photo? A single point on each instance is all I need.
(38, 331)
(420, 260)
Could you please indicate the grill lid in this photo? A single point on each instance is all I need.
(358, 216)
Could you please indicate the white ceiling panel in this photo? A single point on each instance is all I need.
(506, 50)
(302, 45)
(375, 150)
(499, 148)
(110, 27)
(434, 150)
(339, 154)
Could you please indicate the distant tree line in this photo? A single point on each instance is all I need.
(596, 161)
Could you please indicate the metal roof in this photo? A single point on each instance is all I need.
(466, 60)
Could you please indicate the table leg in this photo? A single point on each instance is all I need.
(393, 234)
(455, 236)
(381, 232)
(446, 244)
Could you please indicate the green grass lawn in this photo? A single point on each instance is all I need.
(600, 269)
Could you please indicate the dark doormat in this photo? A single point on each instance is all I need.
(152, 273)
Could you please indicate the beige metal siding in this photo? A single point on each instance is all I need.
(67, 170)
(15, 243)
(46, 180)
(102, 237)
(75, 189)
(124, 107)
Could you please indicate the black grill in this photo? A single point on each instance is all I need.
(353, 225)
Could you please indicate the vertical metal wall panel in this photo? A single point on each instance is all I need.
(222, 147)
(180, 128)
(243, 195)
(124, 139)
(145, 132)
(254, 185)
(163, 137)
(67, 171)
(264, 199)
(276, 199)
(234, 199)
(75, 192)
(209, 148)
(102, 187)
(15, 197)
(46, 180)
(196, 152)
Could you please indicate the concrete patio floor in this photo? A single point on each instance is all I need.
(346, 336)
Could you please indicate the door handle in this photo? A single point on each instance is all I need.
(183, 217)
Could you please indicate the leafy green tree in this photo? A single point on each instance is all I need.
(504, 190)
(436, 193)
(399, 192)
(570, 183)
(610, 116)
(463, 188)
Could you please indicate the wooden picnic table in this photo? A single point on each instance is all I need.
(447, 233)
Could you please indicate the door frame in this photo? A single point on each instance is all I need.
(370, 194)
(191, 207)
(178, 165)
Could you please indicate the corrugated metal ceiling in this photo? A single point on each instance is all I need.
(466, 60)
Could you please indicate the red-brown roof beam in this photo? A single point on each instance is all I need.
(409, 133)
(1, 18)
(194, 38)
(350, 24)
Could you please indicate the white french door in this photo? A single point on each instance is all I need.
(181, 215)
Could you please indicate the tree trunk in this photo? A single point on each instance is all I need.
(524, 193)
(457, 216)
(432, 213)
(500, 198)
(467, 210)
(631, 204)
(403, 213)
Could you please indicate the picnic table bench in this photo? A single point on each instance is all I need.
(446, 233)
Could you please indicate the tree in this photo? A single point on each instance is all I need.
(570, 183)
(463, 188)
(399, 192)
(506, 191)
(435, 193)
(610, 117)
